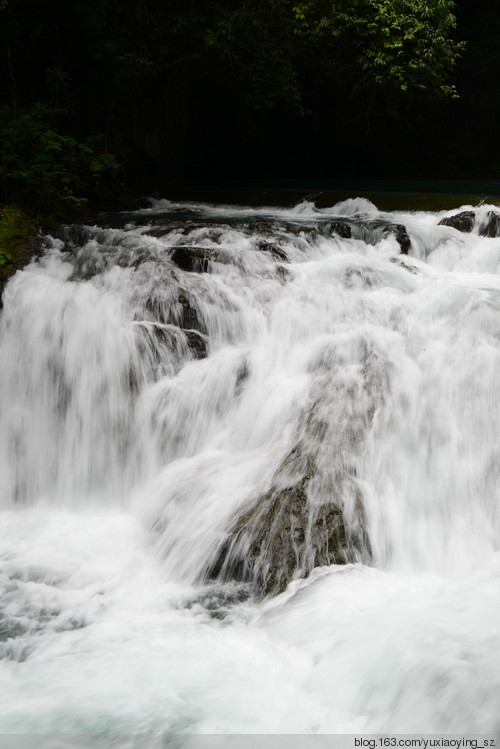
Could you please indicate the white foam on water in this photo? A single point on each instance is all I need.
(124, 460)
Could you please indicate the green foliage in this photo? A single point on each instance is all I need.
(406, 43)
(258, 44)
(5, 258)
(172, 85)
(14, 231)
(44, 168)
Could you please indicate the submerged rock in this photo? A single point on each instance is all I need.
(491, 226)
(364, 278)
(218, 600)
(410, 268)
(399, 232)
(463, 221)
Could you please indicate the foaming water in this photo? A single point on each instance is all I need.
(209, 402)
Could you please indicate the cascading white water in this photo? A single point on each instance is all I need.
(163, 380)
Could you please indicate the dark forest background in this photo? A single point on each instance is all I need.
(100, 98)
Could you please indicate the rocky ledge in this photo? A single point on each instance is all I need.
(285, 535)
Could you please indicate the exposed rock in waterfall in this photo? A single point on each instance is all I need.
(73, 235)
(399, 232)
(165, 348)
(189, 319)
(260, 227)
(164, 301)
(312, 513)
(463, 221)
(273, 249)
(341, 229)
(196, 259)
(287, 532)
(197, 343)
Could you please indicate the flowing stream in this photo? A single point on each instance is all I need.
(250, 475)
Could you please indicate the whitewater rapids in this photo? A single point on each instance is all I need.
(144, 404)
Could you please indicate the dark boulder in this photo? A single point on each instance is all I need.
(197, 344)
(341, 229)
(463, 221)
(196, 259)
(189, 317)
(273, 249)
(285, 535)
(162, 351)
(399, 232)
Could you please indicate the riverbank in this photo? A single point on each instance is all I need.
(18, 242)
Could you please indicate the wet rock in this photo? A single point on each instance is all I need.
(490, 227)
(242, 377)
(399, 232)
(283, 274)
(410, 268)
(197, 344)
(162, 352)
(176, 308)
(463, 221)
(189, 316)
(196, 259)
(88, 261)
(363, 278)
(262, 227)
(217, 600)
(11, 627)
(341, 229)
(284, 535)
(273, 249)
(74, 235)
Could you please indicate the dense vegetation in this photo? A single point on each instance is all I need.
(102, 95)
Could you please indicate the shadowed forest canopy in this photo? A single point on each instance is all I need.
(156, 92)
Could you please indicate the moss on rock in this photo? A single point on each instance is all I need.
(286, 534)
(18, 242)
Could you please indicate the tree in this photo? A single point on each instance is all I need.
(404, 43)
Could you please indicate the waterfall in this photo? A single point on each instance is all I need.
(250, 467)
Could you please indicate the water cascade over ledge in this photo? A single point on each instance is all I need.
(250, 474)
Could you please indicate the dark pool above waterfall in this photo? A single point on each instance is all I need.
(250, 473)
